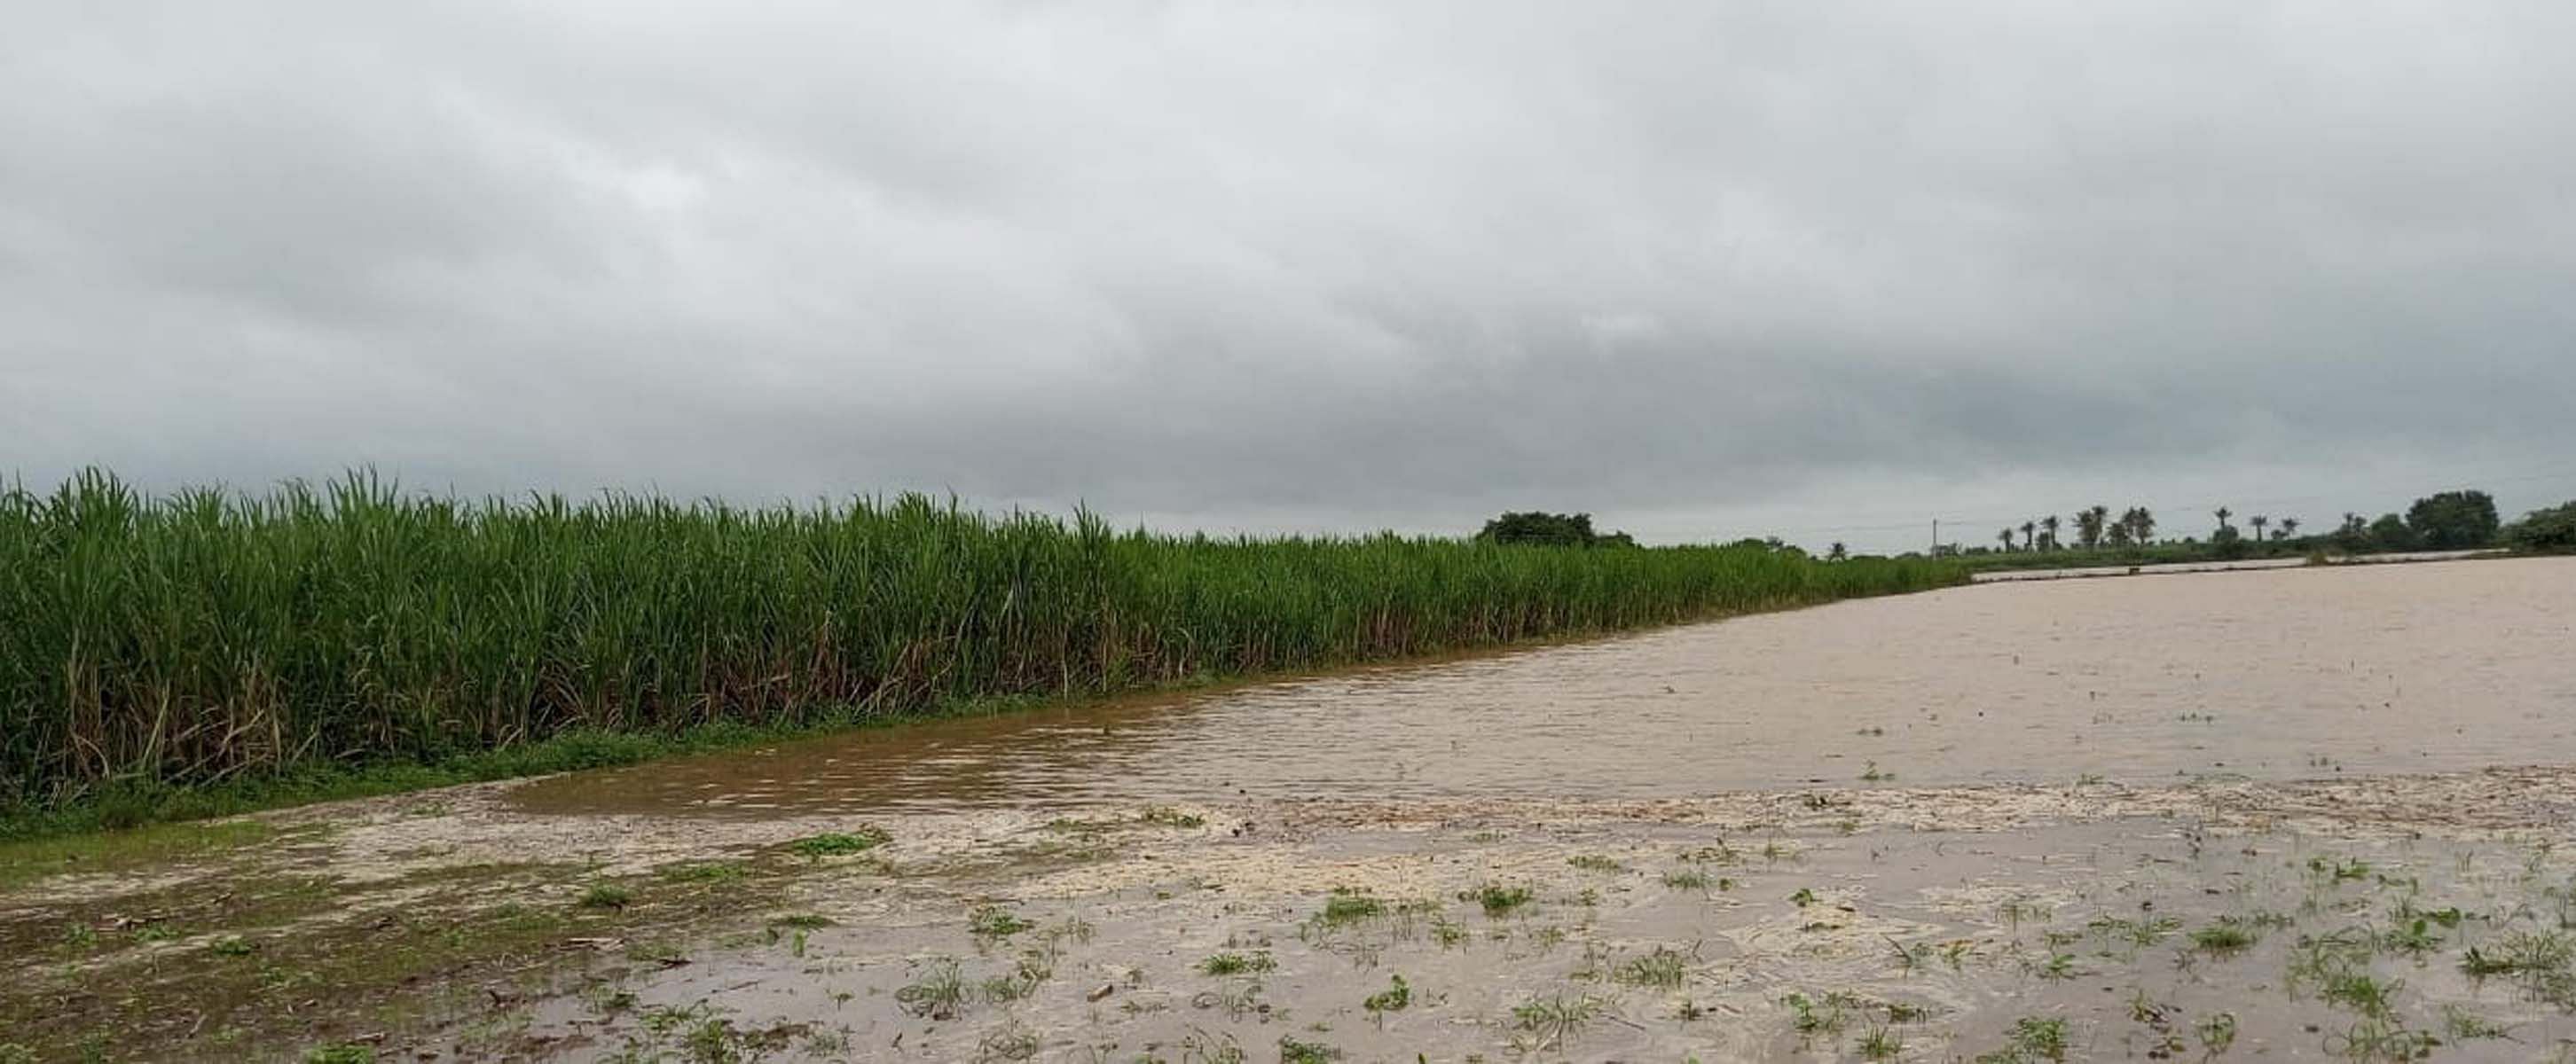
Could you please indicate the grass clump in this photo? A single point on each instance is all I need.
(1292, 1051)
(705, 872)
(1664, 968)
(2228, 937)
(1498, 901)
(2031, 1039)
(838, 843)
(1238, 963)
(220, 650)
(1349, 907)
(606, 896)
(993, 921)
(1392, 999)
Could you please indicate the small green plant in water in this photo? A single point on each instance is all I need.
(1392, 999)
(1292, 1051)
(1664, 967)
(837, 844)
(606, 896)
(1349, 906)
(993, 921)
(1499, 901)
(1237, 963)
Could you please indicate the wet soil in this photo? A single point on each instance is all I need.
(2234, 816)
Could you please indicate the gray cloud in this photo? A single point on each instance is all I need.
(1702, 269)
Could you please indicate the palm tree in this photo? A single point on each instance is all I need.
(2089, 524)
(2258, 521)
(2029, 530)
(2289, 527)
(2006, 536)
(2142, 525)
(2223, 514)
(2050, 523)
(1837, 553)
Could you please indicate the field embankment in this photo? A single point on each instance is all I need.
(206, 637)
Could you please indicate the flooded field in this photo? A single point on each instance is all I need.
(2291, 814)
(2275, 674)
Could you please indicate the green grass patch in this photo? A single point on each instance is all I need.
(838, 843)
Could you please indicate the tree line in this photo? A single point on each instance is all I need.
(2449, 520)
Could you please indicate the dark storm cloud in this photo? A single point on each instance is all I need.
(1705, 269)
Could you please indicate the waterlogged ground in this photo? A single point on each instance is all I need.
(2264, 826)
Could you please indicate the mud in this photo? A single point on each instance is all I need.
(1561, 870)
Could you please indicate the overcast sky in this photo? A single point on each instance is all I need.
(1703, 269)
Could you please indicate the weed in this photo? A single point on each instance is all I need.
(2226, 938)
(1391, 999)
(1161, 816)
(1548, 1023)
(1012, 1042)
(1238, 963)
(2217, 1033)
(838, 844)
(605, 896)
(1825, 1017)
(1595, 863)
(940, 994)
(2463, 1025)
(993, 921)
(1348, 907)
(2381, 1041)
(1686, 879)
(2031, 1038)
(1664, 968)
(707, 872)
(1498, 901)
(1292, 1051)
(341, 1053)
(1881, 1043)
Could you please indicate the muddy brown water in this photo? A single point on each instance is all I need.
(1658, 847)
(2270, 675)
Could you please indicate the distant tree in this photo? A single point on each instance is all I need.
(2390, 533)
(2551, 531)
(2453, 520)
(2142, 525)
(2006, 536)
(2119, 536)
(1837, 553)
(2030, 535)
(2289, 528)
(1548, 530)
(2088, 525)
(2353, 536)
(2259, 522)
(2050, 523)
(2223, 514)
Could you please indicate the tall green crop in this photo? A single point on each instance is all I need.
(202, 635)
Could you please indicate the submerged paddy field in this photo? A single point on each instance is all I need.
(2300, 814)
(151, 647)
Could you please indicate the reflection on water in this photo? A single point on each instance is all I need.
(2284, 673)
